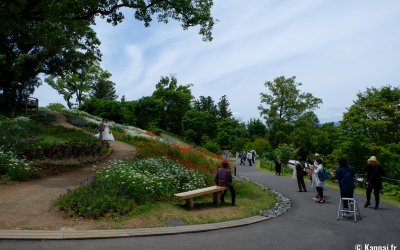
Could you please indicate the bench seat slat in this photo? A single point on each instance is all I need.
(199, 192)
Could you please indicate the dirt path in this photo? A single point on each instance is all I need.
(29, 205)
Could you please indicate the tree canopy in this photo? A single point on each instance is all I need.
(371, 126)
(54, 36)
(283, 104)
(175, 101)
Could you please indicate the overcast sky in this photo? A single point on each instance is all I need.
(334, 48)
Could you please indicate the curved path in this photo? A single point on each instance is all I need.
(307, 225)
(19, 209)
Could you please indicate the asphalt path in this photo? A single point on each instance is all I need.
(307, 225)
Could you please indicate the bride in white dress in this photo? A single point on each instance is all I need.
(106, 135)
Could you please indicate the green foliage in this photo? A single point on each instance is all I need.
(261, 146)
(56, 107)
(103, 88)
(205, 104)
(392, 190)
(223, 111)
(80, 83)
(147, 112)
(371, 127)
(44, 116)
(120, 112)
(191, 157)
(175, 103)
(212, 147)
(198, 123)
(54, 37)
(285, 152)
(256, 129)
(228, 130)
(13, 168)
(117, 188)
(283, 105)
(59, 143)
(34, 140)
(17, 131)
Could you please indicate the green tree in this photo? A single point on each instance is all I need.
(78, 83)
(371, 126)
(120, 112)
(147, 112)
(261, 146)
(305, 134)
(282, 105)
(256, 129)
(176, 101)
(223, 108)
(53, 37)
(104, 88)
(286, 152)
(196, 124)
(228, 130)
(205, 104)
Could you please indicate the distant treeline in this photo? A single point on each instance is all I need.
(290, 128)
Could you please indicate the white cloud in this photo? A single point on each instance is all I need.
(335, 48)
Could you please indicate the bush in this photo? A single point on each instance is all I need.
(117, 188)
(15, 169)
(56, 107)
(44, 116)
(15, 131)
(212, 147)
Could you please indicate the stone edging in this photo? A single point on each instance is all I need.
(281, 207)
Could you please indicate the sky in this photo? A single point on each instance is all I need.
(336, 49)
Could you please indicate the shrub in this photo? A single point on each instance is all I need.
(44, 116)
(212, 147)
(17, 130)
(116, 189)
(56, 107)
(15, 169)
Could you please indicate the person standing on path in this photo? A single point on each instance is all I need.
(223, 178)
(345, 174)
(374, 174)
(319, 185)
(102, 126)
(278, 166)
(300, 175)
(249, 158)
(314, 176)
(253, 156)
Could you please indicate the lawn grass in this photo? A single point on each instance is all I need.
(250, 201)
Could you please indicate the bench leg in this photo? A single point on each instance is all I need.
(190, 203)
(215, 198)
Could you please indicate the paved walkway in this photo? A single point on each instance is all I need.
(307, 225)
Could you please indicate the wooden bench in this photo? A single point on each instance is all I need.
(188, 196)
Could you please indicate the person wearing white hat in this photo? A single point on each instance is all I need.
(374, 180)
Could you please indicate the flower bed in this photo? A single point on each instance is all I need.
(123, 185)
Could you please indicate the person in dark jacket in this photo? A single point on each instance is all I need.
(278, 166)
(300, 168)
(223, 178)
(374, 180)
(345, 174)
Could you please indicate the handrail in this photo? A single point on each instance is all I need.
(381, 177)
